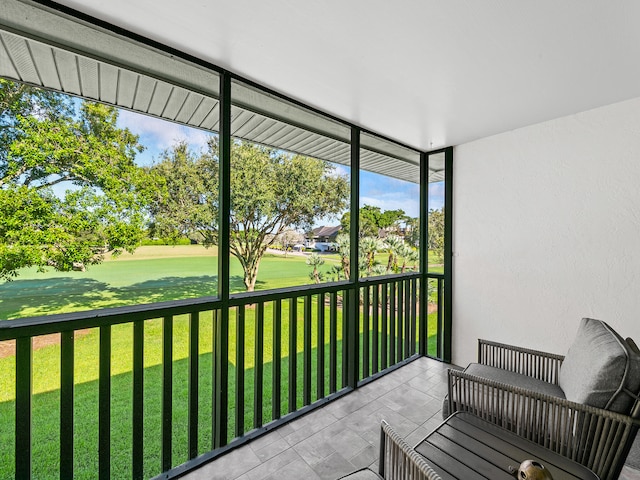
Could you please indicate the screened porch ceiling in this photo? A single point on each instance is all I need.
(97, 65)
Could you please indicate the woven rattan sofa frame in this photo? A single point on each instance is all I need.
(398, 461)
(596, 438)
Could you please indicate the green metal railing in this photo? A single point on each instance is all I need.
(274, 356)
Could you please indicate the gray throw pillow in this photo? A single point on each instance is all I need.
(599, 367)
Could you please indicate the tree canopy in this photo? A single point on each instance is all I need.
(399, 256)
(436, 231)
(49, 139)
(70, 191)
(373, 219)
(185, 196)
(271, 191)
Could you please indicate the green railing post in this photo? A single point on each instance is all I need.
(167, 391)
(353, 294)
(293, 354)
(276, 385)
(67, 389)
(221, 346)
(239, 366)
(448, 253)
(259, 367)
(194, 374)
(137, 447)
(24, 365)
(424, 252)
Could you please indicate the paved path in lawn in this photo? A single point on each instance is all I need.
(8, 347)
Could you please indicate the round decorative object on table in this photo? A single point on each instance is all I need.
(532, 470)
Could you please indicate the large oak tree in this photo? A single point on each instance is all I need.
(271, 191)
(69, 186)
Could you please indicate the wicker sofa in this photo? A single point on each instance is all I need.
(397, 461)
(584, 405)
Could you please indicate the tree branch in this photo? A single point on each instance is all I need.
(65, 178)
(14, 176)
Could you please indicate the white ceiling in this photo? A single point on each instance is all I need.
(429, 73)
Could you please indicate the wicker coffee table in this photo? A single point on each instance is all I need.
(467, 447)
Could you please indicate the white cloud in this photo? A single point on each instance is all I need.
(158, 134)
(436, 195)
(436, 189)
(341, 170)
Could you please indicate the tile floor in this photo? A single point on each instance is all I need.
(344, 435)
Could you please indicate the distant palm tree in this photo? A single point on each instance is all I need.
(369, 247)
(314, 260)
(410, 255)
(393, 244)
(343, 245)
(336, 271)
(378, 270)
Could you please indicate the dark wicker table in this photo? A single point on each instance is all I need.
(467, 447)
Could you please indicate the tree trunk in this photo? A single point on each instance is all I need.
(346, 267)
(250, 276)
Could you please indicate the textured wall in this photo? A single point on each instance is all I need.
(547, 230)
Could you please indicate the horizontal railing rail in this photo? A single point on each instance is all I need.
(47, 324)
(202, 375)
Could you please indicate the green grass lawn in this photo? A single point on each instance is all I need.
(143, 278)
(152, 274)
(138, 279)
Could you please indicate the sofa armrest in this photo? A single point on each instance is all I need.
(398, 461)
(596, 438)
(533, 363)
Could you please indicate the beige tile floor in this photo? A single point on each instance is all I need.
(343, 435)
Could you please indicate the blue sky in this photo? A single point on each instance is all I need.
(377, 190)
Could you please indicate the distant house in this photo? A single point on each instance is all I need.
(399, 229)
(290, 239)
(322, 238)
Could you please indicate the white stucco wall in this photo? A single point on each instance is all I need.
(547, 231)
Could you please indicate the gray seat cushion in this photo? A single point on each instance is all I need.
(514, 379)
(509, 378)
(599, 367)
